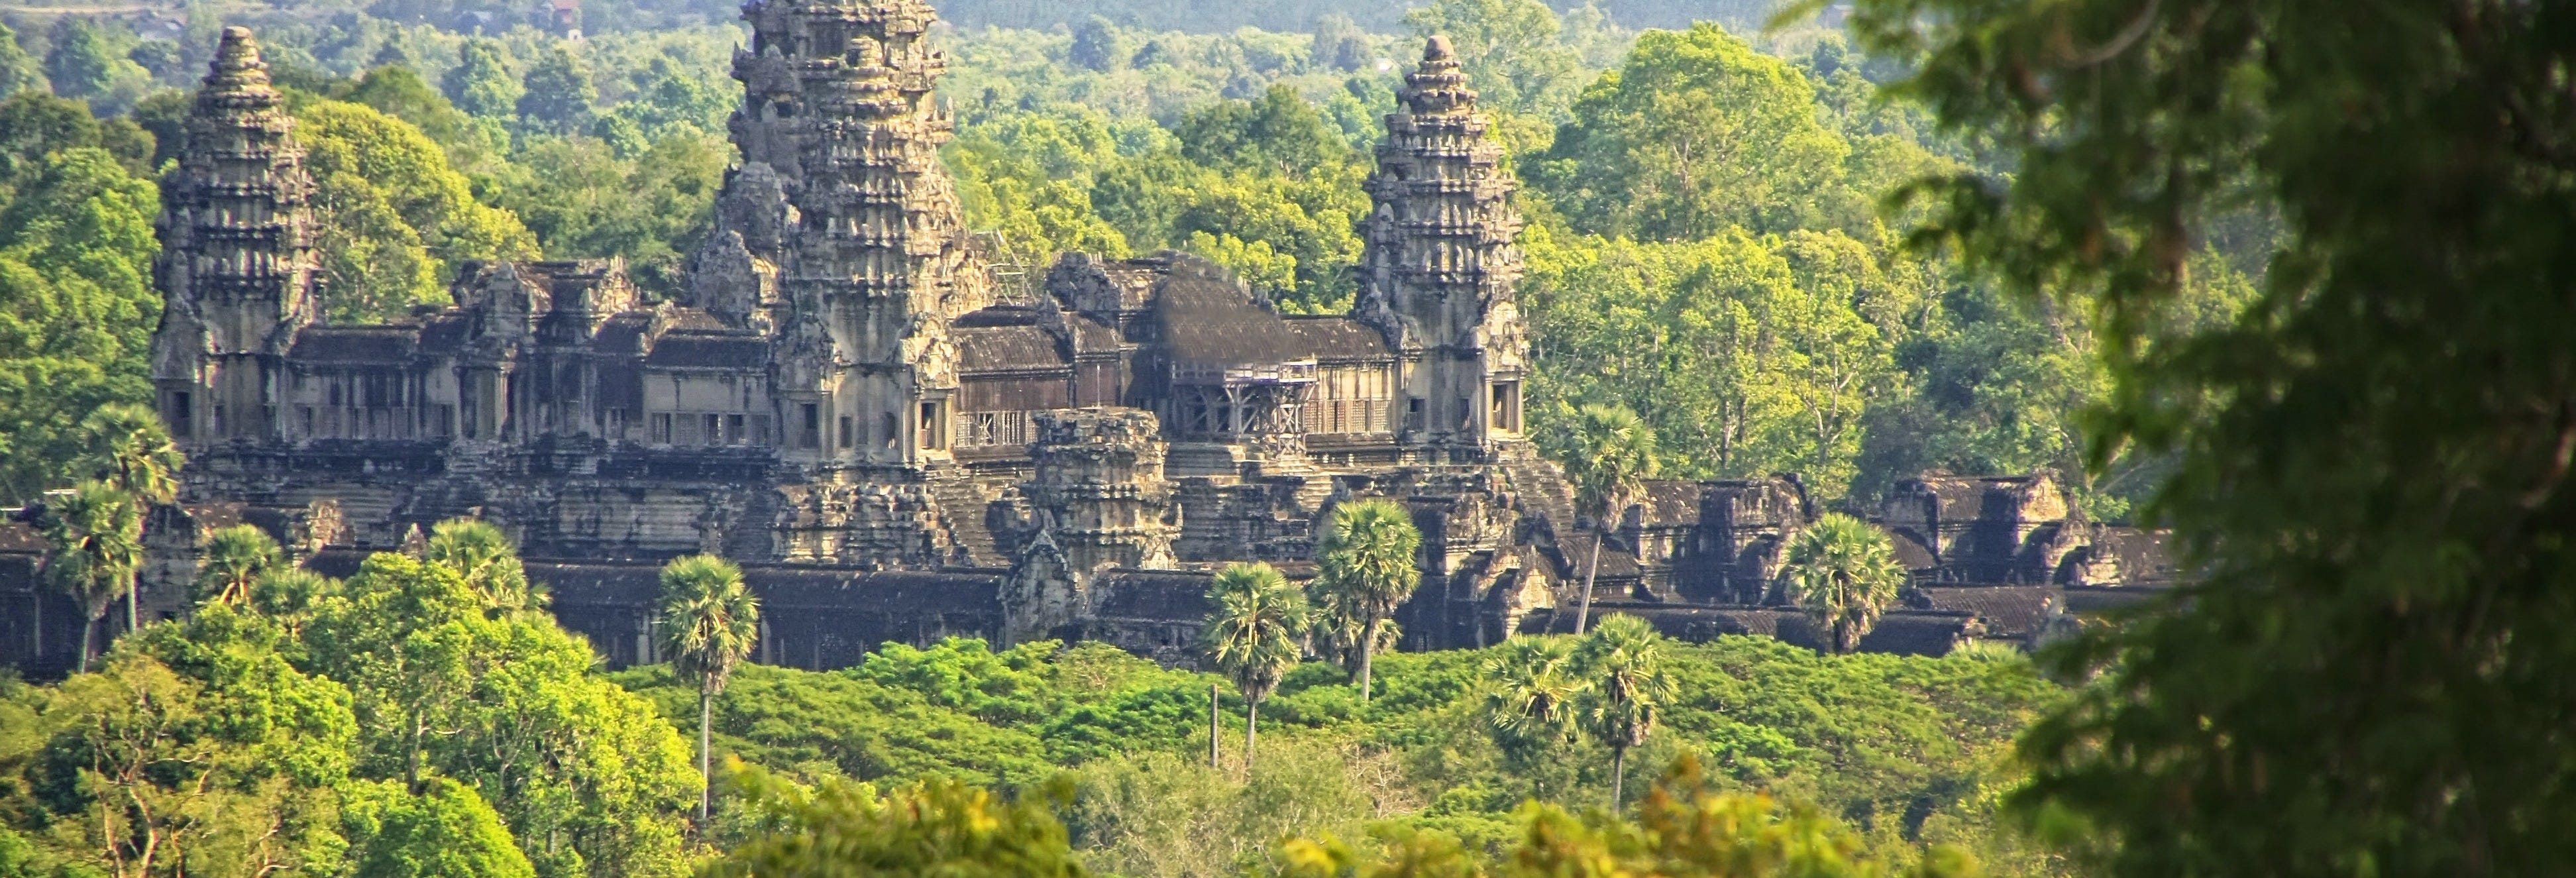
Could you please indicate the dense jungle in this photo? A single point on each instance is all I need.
(2284, 279)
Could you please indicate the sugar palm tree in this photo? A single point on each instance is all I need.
(1366, 562)
(1531, 692)
(135, 456)
(483, 554)
(1625, 688)
(135, 452)
(1609, 454)
(708, 622)
(235, 559)
(1251, 636)
(96, 536)
(1844, 573)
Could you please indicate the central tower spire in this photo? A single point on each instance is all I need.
(841, 233)
(236, 267)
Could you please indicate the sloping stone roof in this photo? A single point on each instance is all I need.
(1672, 503)
(694, 349)
(622, 334)
(2008, 610)
(1337, 338)
(1008, 347)
(1208, 320)
(355, 345)
(20, 537)
(1153, 594)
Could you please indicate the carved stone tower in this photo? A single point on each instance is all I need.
(236, 268)
(1440, 263)
(1100, 502)
(841, 235)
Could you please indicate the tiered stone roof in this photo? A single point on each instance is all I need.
(236, 227)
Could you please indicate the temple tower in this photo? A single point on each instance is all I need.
(237, 265)
(841, 234)
(1100, 503)
(1439, 265)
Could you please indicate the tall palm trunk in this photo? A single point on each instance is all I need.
(87, 628)
(133, 591)
(1618, 774)
(1368, 651)
(1583, 617)
(706, 775)
(1251, 724)
(1212, 727)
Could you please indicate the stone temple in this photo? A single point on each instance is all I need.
(898, 446)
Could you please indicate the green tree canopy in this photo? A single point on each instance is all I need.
(1513, 52)
(236, 558)
(76, 305)
(708, 620)
(587, 776)
(394, 214)
(481, 83)
(2369, 476)
(1626, 690)
(445, 830)
(559, 92)
(845, 829)
(1695, 133)
(94, 544)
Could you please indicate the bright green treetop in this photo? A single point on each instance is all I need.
(487, 560)
(1843, 573)
(235, 559)
(1697, 132)
(445, 830)
(939, 829)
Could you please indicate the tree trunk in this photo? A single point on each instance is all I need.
(1368, 650)
(1212, 727)
(1583, 617)
(133, 592)
(1618, 774)
(706, 773)
(1251, 724)
(87, 628)
(411, 760)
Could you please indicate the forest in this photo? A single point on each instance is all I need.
(2286, 279)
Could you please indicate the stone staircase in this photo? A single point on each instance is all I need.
(1543, 489)
(962, 503)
